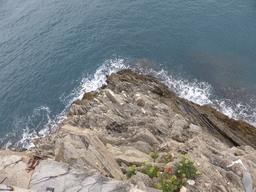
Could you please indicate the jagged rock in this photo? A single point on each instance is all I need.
(86, 146)
(61, 177)
(46, 170)
(234, 179)
(128, 155)
(145, 135)
(141, 146)
(251, 157)
(218, 188)
(113, 97)
(117, 126)
(8, 160)
(14, 169)
(141, 177)
(139, 100)
(184, 189)
(247, 182)
(5, 188)
(140, 185)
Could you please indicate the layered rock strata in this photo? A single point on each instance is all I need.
(117, 126)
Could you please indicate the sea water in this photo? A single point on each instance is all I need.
(52, 52)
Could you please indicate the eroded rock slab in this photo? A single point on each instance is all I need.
(120, 123)
(62, 178)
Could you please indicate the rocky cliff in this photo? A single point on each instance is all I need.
(118, 126)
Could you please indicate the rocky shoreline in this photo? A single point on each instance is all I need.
(118, 126)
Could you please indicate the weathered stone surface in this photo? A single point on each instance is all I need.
(140, 185)
(141, 146)
(5, 188)
(141, 177)
(13, 171)
(61, 177)
(86, 146)
(47, 169)
(247, 182)
(113, 97)
(118, 125)
(8, 160)
(128, 155)
(146, 136)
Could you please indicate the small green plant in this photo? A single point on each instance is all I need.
(131, 171)
(171, 183)
(150, 170)
(187, 169)
(154, 153)
(168, 158)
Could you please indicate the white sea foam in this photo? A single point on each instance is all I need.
(31, 125)
(88, 83)
(195, 91)
(202, 93)
(93, 82)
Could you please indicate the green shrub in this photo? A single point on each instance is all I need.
(131, 171)
(170, 184)
(150, 170)
(168, 158)
(154, 153)
(187, 169)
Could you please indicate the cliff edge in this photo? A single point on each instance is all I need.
(131, 120)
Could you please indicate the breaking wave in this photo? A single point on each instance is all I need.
(201, 93)
(42, 115)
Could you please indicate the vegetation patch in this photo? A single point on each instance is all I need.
(154, 155)
(131, 171)
(149, 170)
(187, 169)
(168, 181)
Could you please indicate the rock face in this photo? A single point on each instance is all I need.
(117, 126)
(60, 177)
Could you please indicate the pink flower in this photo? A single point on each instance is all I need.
(169, 171)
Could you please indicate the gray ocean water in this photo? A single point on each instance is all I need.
(52, 52)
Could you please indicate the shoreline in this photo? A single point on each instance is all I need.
(119, 125)
(199, 93)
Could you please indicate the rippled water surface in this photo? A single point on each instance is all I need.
(52, 52)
